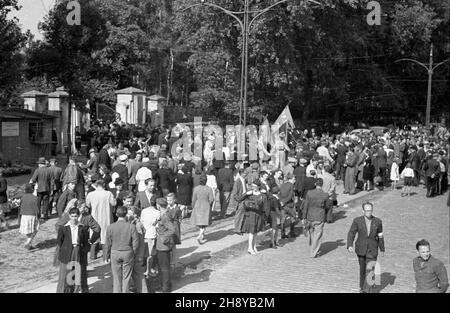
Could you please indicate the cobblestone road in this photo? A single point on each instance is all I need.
(289, 268)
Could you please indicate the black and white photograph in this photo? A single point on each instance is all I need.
(237, 150)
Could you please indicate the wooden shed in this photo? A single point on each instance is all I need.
(26, 135)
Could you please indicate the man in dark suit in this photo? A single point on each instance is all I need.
(104, 158)
(351, 172)
(56, 183)
(287, 200)
(164, 177)
(370, 238)
(145, 198)
(65, 197)
(122, 170)
(43, 177)
(314, 208)
(414, 158)
(225, 181)
(381, 157)
(73, 243)
(422, 157)
(341, 151)
(309, 183)
(237, 197)
(432, 170)
(122, 243)
(300, 175)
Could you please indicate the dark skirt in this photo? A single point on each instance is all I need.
(252, 223)
(408, 181)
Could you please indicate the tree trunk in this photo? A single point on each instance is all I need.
(307, 94)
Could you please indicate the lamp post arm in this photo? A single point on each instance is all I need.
(264, 11)
(439, 64)
(261, 12)
(228, 12)
(414, 61)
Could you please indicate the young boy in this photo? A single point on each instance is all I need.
(149, 218)
(408, 177)
(175, 214)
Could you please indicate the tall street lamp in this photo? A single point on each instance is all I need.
(243, 19)
(430, 69)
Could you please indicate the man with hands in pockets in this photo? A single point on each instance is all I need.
(370, 238)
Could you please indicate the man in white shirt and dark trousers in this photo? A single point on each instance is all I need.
(149, 218)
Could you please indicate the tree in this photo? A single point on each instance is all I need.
(12, 41)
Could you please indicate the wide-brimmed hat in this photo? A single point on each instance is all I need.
(303, 161)
(91, 150)
(41, 160)
(123, 157)
(118, 181)
(292, 160)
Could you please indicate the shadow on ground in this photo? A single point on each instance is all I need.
(386, 279)
(49, 243)
(329, 246)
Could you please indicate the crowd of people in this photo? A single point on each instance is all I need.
(129, 199)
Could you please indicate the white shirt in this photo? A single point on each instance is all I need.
(149, 216)
(141, 176)
(323, 152)
(211, 181)
(407, 172)
(74, 232)
(309, 168)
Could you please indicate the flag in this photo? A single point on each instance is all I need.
(282, 123)
(284, 118)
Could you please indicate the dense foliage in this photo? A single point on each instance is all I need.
(324, 61)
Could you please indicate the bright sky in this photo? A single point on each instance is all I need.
(32, 12)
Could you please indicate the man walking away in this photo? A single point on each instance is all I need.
(122, 243)
(314, 208)
(42, 176)
(225, 182)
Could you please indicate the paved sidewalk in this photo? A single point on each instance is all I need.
(220, 237)
(290, 269)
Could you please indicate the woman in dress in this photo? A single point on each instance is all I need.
(211, 182)
(202, 199)
(185, 184)
(196, 175)
(395, 176)
(29, 210)
(253, 216)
